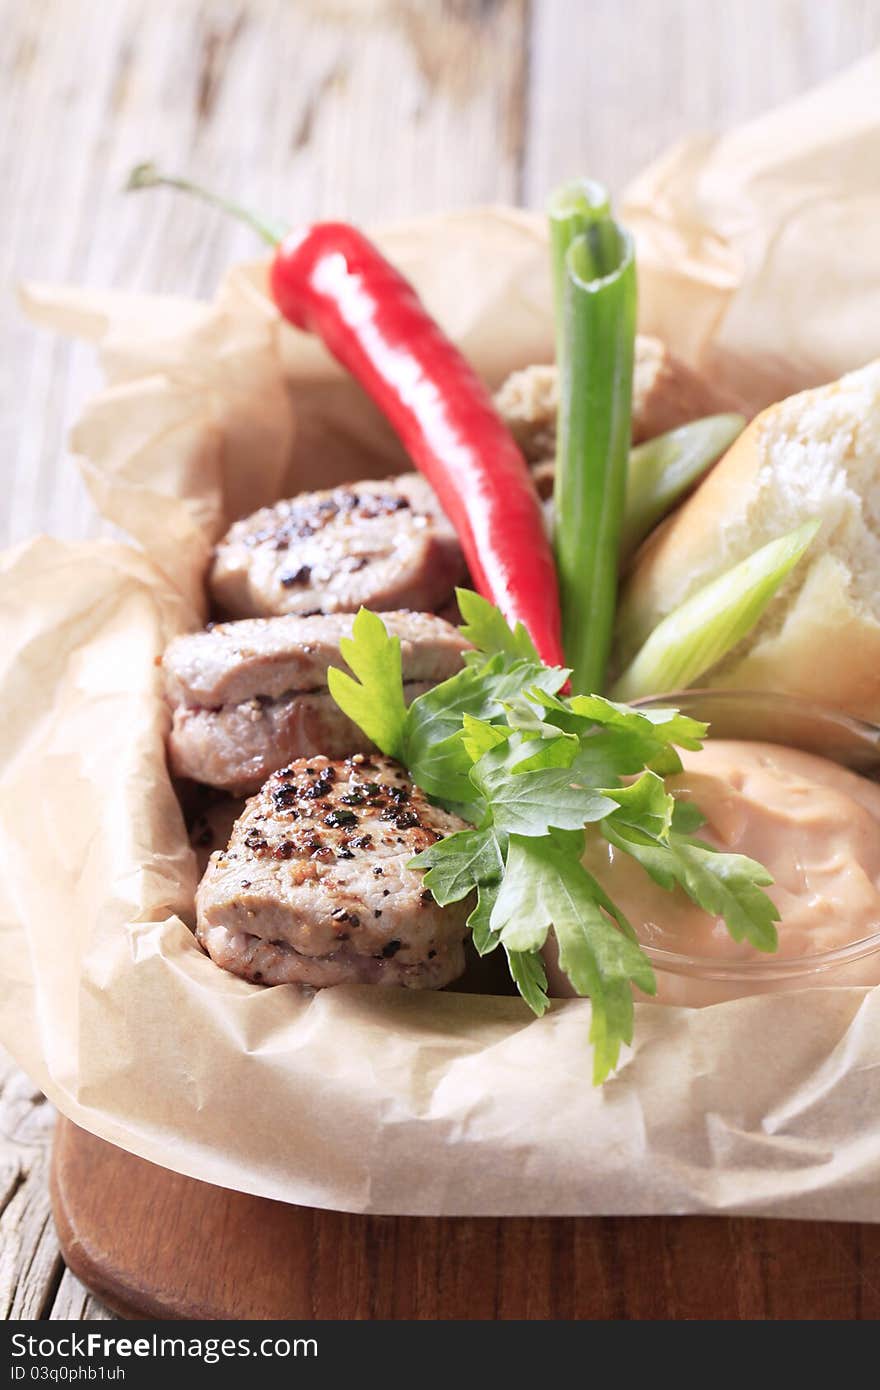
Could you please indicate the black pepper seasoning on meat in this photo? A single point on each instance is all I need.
(299, 576)
(342, 914)
(332, 922)
(284, 798)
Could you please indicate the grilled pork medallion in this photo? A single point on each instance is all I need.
(382, 545)
(314, 889)
(249, 696)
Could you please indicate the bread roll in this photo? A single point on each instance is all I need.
(816, 454)
(666, 393)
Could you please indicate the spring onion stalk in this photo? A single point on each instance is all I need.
(598, 323)
(575, 208)
(699, 633)
(662, 470)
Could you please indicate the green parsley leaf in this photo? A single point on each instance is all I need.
(602, 898)
(478, 736)
(546, 752)
(532, 802)
(375, 700)
(664, 725)
(534, 773)
(686, 816)
(669, 725)
(484, 938)
(530, 977)
(522, 915)
(724, 885)
(622, 741)
(525, 716)
(485, 627)
(457, 864)
(611, 1025)
(645, 804)
(544, 886)
(434, 749)
(441, 769)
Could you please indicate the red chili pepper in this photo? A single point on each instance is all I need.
(329, 279)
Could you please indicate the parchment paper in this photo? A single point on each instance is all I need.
(359, 1098)
(758, 252)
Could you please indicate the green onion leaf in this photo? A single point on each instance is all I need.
(695, 636)
(663, 469)
(576, 208)
(596, 321)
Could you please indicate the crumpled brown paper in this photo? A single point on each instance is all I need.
(359, 1098)
(758, 251)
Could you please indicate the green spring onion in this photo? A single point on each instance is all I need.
(702, 630)
(595, 282)
(572, 209)
(663, 469)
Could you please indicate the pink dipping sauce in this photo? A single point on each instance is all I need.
(814, 825)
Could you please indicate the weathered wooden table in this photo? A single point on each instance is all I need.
(365, 109)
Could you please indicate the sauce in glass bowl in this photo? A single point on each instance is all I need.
(789, 796)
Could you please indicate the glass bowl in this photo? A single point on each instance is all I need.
(695, 980)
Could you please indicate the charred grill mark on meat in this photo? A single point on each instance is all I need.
(383, 545)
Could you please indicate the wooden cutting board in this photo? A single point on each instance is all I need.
(153, 1244)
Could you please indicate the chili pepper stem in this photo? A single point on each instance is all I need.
(148, 176)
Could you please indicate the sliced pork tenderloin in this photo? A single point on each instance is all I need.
(248, 697)
(666, 393)
(314, 888)
(383, 545)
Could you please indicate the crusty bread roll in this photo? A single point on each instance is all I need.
(666, 393)
(816, 454)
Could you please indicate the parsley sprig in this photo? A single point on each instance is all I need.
(533, 773)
